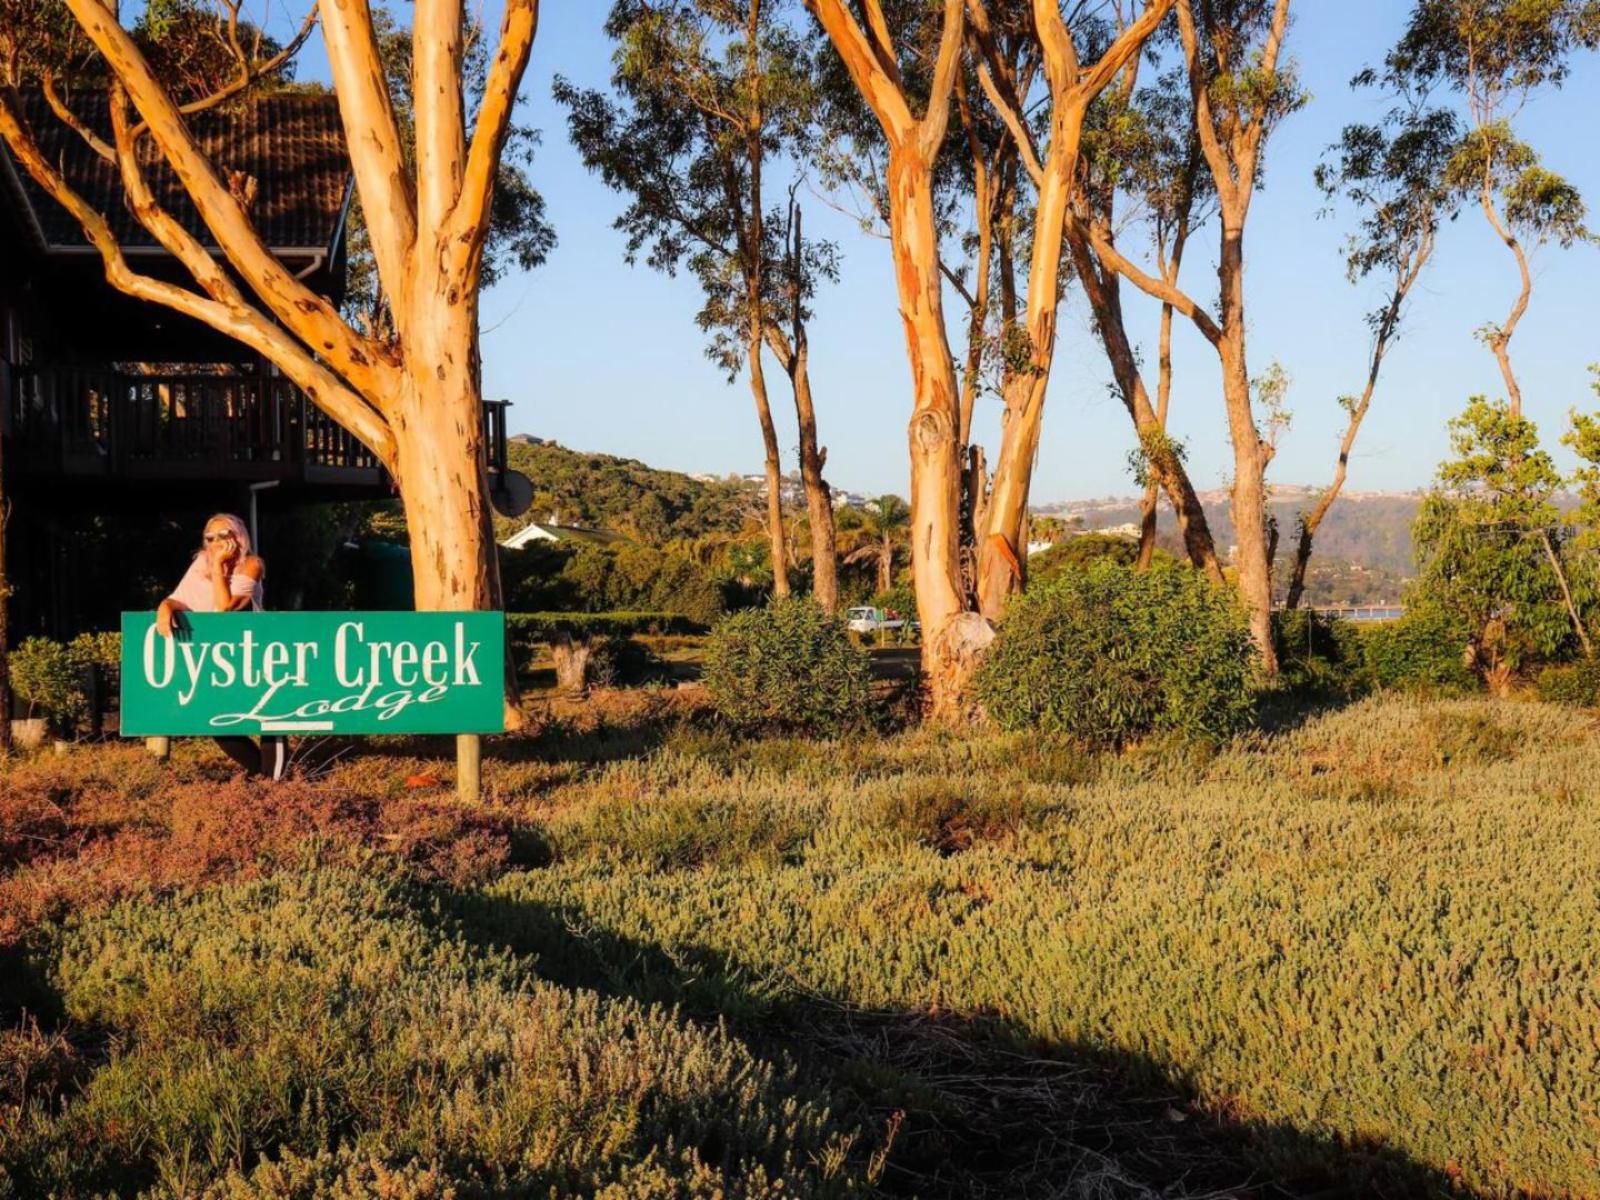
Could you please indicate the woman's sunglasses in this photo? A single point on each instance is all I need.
(218, 537)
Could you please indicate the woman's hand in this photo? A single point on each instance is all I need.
(224, 554)
(169, 619)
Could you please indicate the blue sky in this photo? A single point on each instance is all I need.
(606, 357)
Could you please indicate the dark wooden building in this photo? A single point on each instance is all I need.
(123, 423)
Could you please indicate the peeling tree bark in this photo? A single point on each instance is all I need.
(953, 636)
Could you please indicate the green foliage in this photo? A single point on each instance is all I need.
(1317, 652)
(1574, 684)
(620, 661)
(695, 92)
(633, 664)
(100, 650)
(327, 1033)
(1425, 650)
(601, 491)
(624, 576)
(1077, 553)
(1485, 537)
(1110, 654)
(788, 666)
(46, 678)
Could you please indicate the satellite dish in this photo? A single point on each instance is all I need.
(511, 494)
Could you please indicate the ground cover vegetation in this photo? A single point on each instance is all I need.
(665, 959)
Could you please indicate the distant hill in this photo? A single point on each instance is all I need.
(1368, 529)
(602, 491)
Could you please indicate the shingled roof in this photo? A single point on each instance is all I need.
(292, 145)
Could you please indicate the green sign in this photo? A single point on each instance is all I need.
(314, 672)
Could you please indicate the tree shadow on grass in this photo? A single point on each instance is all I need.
(975, 1107)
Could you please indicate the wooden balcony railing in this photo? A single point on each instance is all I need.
(201, 425)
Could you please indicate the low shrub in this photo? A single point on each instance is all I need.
(49, 682)
(1574, 684)
(1425, 650)
(788, 666)
(1109, 654)
(1318, 652)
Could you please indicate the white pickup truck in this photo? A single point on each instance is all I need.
(869, 620)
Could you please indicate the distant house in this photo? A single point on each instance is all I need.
(117, 415)
(549, 531)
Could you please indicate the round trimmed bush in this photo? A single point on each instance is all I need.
(1108, 654)
(1425, 650)
(788, 666)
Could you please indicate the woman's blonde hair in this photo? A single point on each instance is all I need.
(240, 534)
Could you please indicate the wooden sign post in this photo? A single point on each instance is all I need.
(326, 673)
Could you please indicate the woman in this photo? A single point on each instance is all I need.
(225, 576)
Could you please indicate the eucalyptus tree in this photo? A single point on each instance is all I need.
(1394, 174)
(914, 121)
(707, 94)
(1049, 155)
(1493, 55)
(1140, 145)
(412, 395)
(1240, 89)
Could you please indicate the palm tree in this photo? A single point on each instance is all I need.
(883, 525)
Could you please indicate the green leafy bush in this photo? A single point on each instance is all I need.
(1109, 654)
(788, 666)
(49, 682)
(1574, 684)
(1425, 650)
(1318, 652)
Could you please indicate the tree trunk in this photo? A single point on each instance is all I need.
(1166, 470)
(951, 641)
(769, 439)
(1001, 552)
(441, 473)
(819, 496)
(570, 653)
(1147, 506)
(1249, 498)
(1566, 595)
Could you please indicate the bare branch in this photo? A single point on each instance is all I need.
(878, 88)
(1167, 293)
(436, 100)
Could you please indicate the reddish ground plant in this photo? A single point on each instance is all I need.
(104, 822)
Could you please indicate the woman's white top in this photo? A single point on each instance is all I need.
(194, 589)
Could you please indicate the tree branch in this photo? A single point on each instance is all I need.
(517, 30)
(437, 107)
(936, 118)
(1167, 293)
(240, 322)
(878, 88)
(384, 182)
